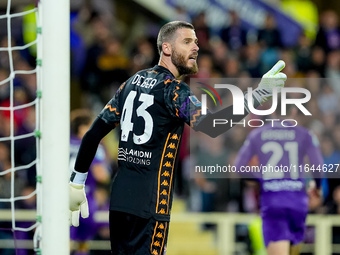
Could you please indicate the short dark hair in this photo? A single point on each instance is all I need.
(80, 117)
(167, 32)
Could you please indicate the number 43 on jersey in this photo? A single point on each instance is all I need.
(126, 119)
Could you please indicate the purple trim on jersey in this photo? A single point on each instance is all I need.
(182, 112)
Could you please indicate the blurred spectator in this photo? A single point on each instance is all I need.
(331, 156)
(205, 63)
(5, 160)
(329, 120)
(202, 31)
(287, 55)
(318, 61)
(4, 56)
(269, 56)
(336, 136)
(106, 65)
(328, 36)
(234, 35)
(220, 54)
(333, 207)
(252, 61)
(86, 12)
(269, 36)
(313, 83)
(77, 47)
(5, 125)
(19, 98)
(303, 54)
(4, 87)
(313, 108)
(90, 80)
(144, 54)
(236, 137)
(213, 188)
(5, 179)
(27, 81)
(328, 100)
(25, 149)
(232, 67)
(112, 65)
(333, 70)
(269, 39)
(181, 14)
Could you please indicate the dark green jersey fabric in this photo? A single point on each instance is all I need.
(151, 108)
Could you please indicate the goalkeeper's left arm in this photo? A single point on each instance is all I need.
(87, 151)
(273, 79)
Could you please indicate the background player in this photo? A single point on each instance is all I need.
(99, 174)
(283, 197)
(152, 108)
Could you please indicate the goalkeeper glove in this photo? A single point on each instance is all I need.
(78, 200)
(272, 80)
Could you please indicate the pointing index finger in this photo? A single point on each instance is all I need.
(277, 67)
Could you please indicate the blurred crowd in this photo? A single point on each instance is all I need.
(105, 52)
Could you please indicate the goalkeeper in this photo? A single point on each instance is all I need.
(151, 108)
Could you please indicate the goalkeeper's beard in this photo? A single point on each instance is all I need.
(181, 64)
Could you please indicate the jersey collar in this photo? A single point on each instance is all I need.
(163, 69)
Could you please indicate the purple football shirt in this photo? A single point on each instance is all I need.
(281, 155)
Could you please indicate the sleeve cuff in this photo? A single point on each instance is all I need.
(77, 177)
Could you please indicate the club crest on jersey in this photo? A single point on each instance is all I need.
(195, 101)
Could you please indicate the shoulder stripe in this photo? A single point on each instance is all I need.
(111, 109)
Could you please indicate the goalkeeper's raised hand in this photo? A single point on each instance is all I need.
(78, 200)
(270, 81)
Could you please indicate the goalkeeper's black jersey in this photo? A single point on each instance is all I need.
(151, 108)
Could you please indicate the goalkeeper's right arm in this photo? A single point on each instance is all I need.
(87, 151)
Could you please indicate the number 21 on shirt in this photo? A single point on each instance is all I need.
(277, 153)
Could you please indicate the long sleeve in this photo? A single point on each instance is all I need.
(182, 103)
(89, 144)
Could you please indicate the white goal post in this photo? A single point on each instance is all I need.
(55, 125)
